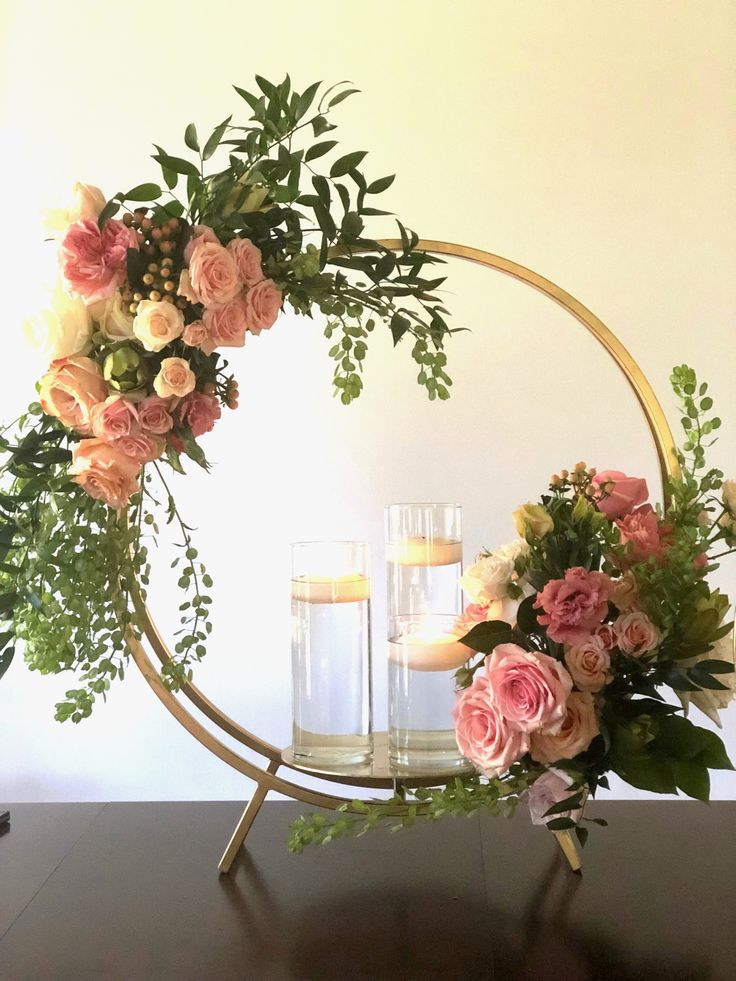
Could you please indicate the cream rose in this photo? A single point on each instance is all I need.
(589, 664)
(86, 201)
(174, 378)
(157, 324)
(113, 317)
(64, 329)
(579, 728)
(487, 579)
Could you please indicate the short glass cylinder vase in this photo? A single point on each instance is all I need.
(424, 652)
(331, 654)
(424, 552)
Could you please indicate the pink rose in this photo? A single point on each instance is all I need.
(636, 634)
(473, 614)
(154, 416)
(619, 494)
(529, 689)
(200, 234)
(248, 260)
(213, 275)
(552, 787)
(195, 334)
(482, 734)
(94, 262)
(606, 634)
(116, 416)
(225, 325)
(175, 377)
(575, 605)
(140, 447)
(262, 305)
(643, 534)
(625, 595)
(578, 729)
(104, 472)
(589, 663)
(199, 412)
(69, 391)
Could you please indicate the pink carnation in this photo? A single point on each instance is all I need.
(643, 535)
(619, 494)
(94, 262)
(574, 606)
(482, 734)
(199, 412)
(529, 689)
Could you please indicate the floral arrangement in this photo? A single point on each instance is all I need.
(145, 308)
(580, 623)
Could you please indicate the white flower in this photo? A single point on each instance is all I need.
(157, 324)
(488, 579)
(513, 550)
(709, 701)
(86, 201)
(65, 328)
(114, 318)
(551, 788)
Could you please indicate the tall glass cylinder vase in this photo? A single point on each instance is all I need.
(331, 654)
(424, 553)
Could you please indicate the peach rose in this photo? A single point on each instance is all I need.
(104, 472)
(578, 729)
(185, 287)
(154, 416)
(574, 606)
(636, 634)
(175, 377)
(618, 494)
(114, 417)
(482, 734)
(589, 663)
(157, 324)
(213, 275)
(94, 262)
(70, 389)
(262, 305)
(200, 235)
(199, 412)
(140, 447)
(247, 258)
(529, 689)
(195, 334)
(225, 325)
(625, 595)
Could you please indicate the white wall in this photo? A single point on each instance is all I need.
(594, 142)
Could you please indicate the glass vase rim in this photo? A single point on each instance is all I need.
(331, 541)
(422, 504)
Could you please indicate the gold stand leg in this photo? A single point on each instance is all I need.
(569, 849)
(244, 824)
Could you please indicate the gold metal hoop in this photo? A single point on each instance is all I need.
(267, 778)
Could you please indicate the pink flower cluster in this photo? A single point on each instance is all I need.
(623, 500)
(523, 702)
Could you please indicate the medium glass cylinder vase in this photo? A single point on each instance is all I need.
(331, 654)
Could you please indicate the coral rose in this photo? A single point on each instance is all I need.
(643, 534)
(154, 416)
(575, 605)
(199, 412)
(104, 472)
(578, 729)
(70, 389)
(247, 258)
(93, 262)
(589, 663)
(175, 377)
(64, 329)
(262, 305)
(225, 325)
(482, 734)
(618, 494)
(213, 275)
(140, 447)
(636, 634)
(114, 417)
(157, 324)
(529, 689)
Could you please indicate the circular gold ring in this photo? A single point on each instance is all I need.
(266, 776)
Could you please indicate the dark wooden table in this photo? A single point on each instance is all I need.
(130, 892)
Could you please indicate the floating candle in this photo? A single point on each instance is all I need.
(428, 650)
(350, 588)
(424, 551)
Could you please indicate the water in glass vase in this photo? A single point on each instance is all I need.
(331, 670)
